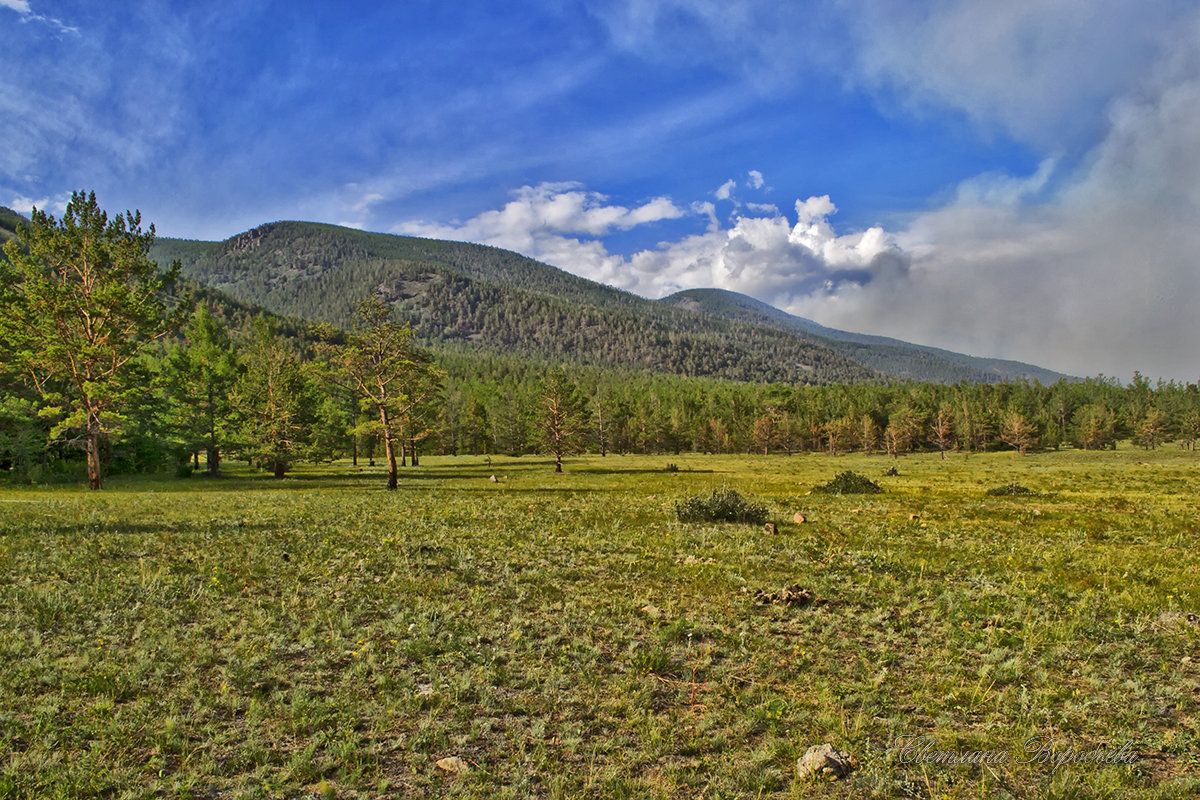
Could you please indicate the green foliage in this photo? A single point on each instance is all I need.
(721, 505)
(275, 402)
(80, 300)
(202, 371)
(379, 364)
(849, 482)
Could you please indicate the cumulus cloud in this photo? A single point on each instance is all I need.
(765, 255)
(725, 190)
(756, 180)
(553, 208)
(54, 205)
(546, 221)
(771, 258)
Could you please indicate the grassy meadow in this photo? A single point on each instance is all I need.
(564, 636)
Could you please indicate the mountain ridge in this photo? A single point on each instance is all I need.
(886, 354)
(486, 299)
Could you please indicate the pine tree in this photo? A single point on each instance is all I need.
(380, 362)
(274, 402)
(82, 301)
(562, 416)
(202, 373)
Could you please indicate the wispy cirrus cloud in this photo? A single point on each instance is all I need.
(25, 9)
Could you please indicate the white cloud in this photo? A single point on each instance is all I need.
(766, 256)
(769, 257)
(544, 222)
(725, 190)
(23, 8)
(54, 205)
(756, 179)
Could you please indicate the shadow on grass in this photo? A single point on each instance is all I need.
(239, 478)
(123, 528)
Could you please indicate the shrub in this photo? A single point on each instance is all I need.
(1013, 489)
(723, 505)
(849, 482)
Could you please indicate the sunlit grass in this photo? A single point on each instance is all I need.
(565, 636)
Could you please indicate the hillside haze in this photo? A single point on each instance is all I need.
(890, 356)
(473, 298)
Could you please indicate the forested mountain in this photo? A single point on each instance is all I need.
(472, 298)
(890, 356)
(464, 297)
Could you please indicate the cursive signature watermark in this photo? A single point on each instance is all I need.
(1043, 749)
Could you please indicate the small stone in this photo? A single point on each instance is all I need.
(824, 760)
(770, 528)
(798, 518)
(453, 764)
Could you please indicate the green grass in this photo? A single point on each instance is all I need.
(566, 637)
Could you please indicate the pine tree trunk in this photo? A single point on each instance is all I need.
(280, 467)
(389, 448)
(213, 456)
(93, 451)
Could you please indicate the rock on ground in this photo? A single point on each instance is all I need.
(824, 760)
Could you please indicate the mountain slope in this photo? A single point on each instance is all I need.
(9, 220)
(891, 356)
(481, 299)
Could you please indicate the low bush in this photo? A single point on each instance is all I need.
(1013, 489)
(849, 482)
(722, 505)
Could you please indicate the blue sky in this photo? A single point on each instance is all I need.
(1017, 180)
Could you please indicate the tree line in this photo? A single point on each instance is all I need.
(106, 364)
